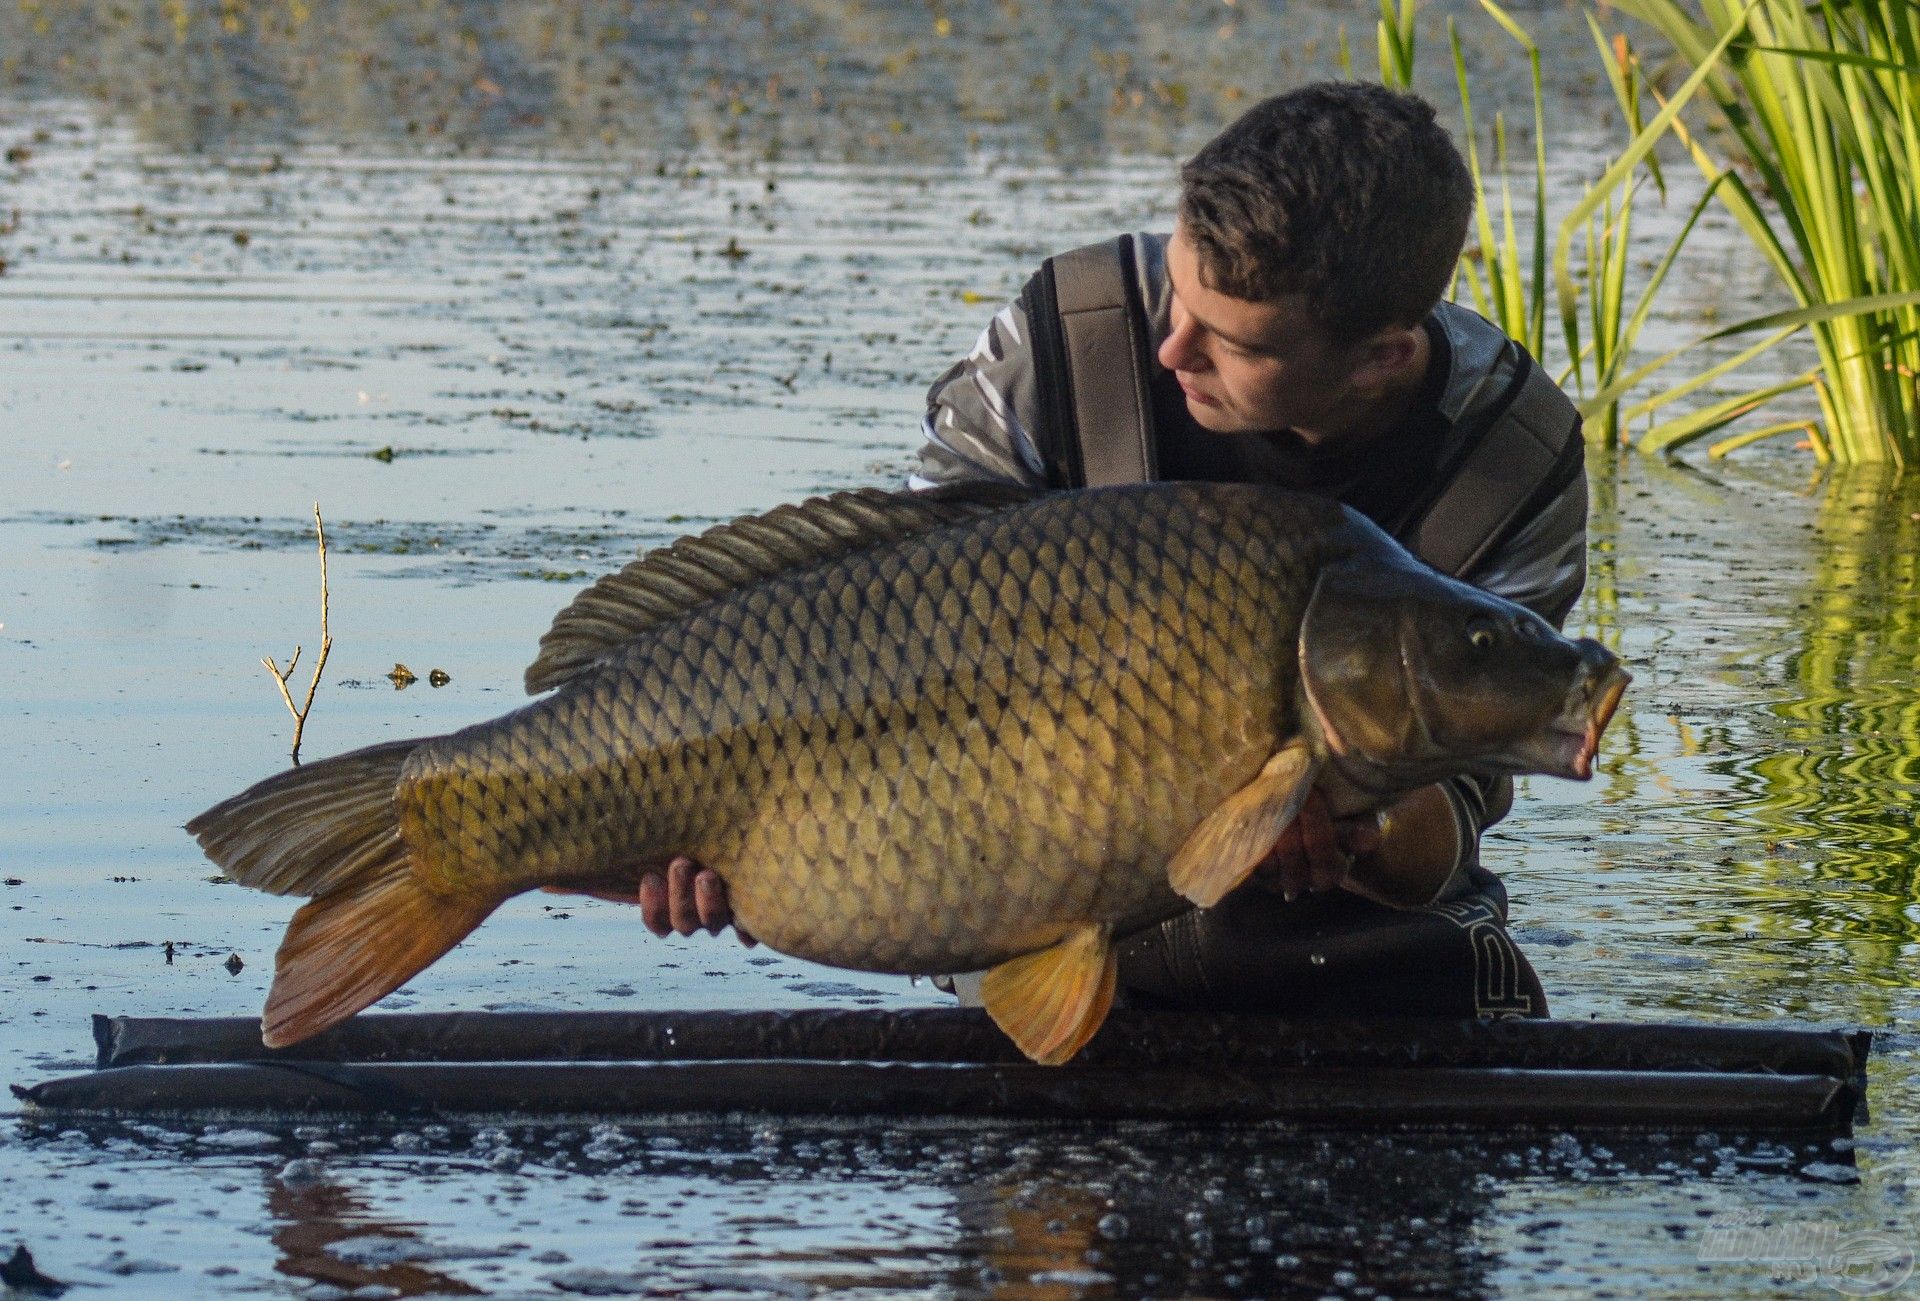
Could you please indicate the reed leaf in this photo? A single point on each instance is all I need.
(1823, 104)
(1623, 166)
(1676, 433)
(1748, 437)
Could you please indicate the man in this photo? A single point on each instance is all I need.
(1290, 331)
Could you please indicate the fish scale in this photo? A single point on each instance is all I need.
(998, 741)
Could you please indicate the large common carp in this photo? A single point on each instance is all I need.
(963, 729)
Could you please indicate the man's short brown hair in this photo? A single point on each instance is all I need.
(1345, 192)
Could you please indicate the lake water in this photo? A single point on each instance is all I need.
(512, 291)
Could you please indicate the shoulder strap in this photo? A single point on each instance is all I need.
(1091, 361)
(1526, 453)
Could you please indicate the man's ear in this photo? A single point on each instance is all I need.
(1384, 358)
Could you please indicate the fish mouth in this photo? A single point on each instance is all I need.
(1606, 699)
(1567, 746)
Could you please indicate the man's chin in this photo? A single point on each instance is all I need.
(1212, 417)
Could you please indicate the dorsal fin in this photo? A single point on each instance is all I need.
(664, 584)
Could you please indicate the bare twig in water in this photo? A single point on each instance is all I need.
(301, 711)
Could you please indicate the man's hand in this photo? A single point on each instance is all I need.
(1401, 856)
(1315, 852)
(686, 898)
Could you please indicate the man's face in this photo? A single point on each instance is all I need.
(1250, 366)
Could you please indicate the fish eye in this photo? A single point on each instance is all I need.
(1480, 634)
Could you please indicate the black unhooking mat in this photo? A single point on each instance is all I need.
(953, 1062)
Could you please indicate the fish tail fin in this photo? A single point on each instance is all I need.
(328, 829)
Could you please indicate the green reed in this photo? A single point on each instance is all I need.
(1508, 275)
(1822, 101)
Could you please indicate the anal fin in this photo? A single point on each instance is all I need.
(1050, 1003)
(1230, 841)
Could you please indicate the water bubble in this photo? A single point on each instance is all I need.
(1113, 1225)
(300, 1172)
(239, 1140)
(1830, 1172)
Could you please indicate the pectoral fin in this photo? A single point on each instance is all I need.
(1230, 841)
(1050, 1002)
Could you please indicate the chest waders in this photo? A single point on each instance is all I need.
(1110, 410)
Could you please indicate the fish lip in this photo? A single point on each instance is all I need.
(1606, 698)
(1568, 746)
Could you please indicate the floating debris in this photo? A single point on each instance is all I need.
(438, 677)
(280, 675)
(234, 964)
(124, 1203)
(402, 677)
(19, 1273)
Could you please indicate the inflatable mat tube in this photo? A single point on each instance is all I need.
(1174, 1040)
(1418, 1097)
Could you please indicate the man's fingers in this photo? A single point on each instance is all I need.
(1285, 866)
(1360, 835)
(710, 901)
(683, 910)
(653, 904)
(1326, 864)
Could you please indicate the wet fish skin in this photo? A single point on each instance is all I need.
(990, 740)
(960, 724)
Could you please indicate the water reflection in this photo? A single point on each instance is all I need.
(1212, 1213)
(311, 1215)
(779, 1209)
(830, 79)
(1838, 769)
(1759, 786)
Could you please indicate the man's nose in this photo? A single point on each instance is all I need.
(1177, 351)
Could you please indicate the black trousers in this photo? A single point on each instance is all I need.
(1337, 955)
